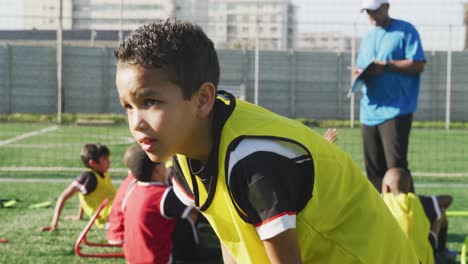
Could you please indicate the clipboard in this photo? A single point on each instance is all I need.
(358, 81)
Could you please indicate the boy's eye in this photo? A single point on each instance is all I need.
(151, 102)
(127, 107)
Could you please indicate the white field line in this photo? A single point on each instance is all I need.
(37, 180)
(40, 180)
(441, 185)
(27, 135)
(118, 141)
(440, 174)
(15, 168)
(46, 169)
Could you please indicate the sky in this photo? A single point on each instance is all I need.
(431, 17)
(8, 9)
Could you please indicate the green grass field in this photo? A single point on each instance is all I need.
(29, 152)
(28, 245)
(431, 150)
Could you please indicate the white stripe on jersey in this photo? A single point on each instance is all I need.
(436, 207)
(276, 226)
(180, 193)
(129, 191)
(80, 186)
(163, 200)
(251, 145)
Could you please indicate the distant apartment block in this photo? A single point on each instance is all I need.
(44, 14)
(119, 14)
(195, 11)
(100, 14)
(327, 41)
(465, 23)
(237, 23)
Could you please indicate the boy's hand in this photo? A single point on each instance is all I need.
(72, 218)
(47, 228)
(331, 135)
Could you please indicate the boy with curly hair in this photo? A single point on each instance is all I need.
(273, 190)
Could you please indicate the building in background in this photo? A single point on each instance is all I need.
(119, 14)
(465, 23)
(326, 41)
(98, 14)
(44, 14)
(237, 23)
(195, 11)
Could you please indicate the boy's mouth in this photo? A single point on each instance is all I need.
(147, 144)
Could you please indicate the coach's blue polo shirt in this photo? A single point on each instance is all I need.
(390, 94)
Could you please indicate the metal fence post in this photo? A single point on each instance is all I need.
(59, 65)
(8, 75)
(353, 61)
(105, 81)
(292, 78)
(245, 72)
(339, 87)
(257, 57)
(449, 80)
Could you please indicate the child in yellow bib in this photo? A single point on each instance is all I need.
(408, 211)
(93, 186)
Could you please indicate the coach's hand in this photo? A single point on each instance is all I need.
(378, 68)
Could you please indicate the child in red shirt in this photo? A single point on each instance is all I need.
(115, 231)
(151, 211)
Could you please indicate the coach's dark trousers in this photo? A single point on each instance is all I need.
(385, 147)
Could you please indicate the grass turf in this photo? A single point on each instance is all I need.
(27, 245)
(431, 150)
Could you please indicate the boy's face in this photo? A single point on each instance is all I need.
(159, 118)
(102, 166)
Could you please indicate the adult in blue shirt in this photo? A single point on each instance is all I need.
(395, 56)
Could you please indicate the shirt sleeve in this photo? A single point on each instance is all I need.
(270, 189)
(413, 49)
(172, 207)
(86, 182)
(366, 51)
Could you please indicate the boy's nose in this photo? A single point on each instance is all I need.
(138, 122)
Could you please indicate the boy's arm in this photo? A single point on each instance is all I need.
(444, 201)
(80, 212)
(401, 66)
(283, 248)
(76, 217)
(193, 215)
(66, 194)
(227, 258)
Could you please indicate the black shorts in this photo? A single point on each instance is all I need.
(431, 207)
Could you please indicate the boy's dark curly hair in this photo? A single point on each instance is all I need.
(93, 152)
(180, 48)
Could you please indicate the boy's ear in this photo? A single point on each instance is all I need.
(92, 163)
(206, 96)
